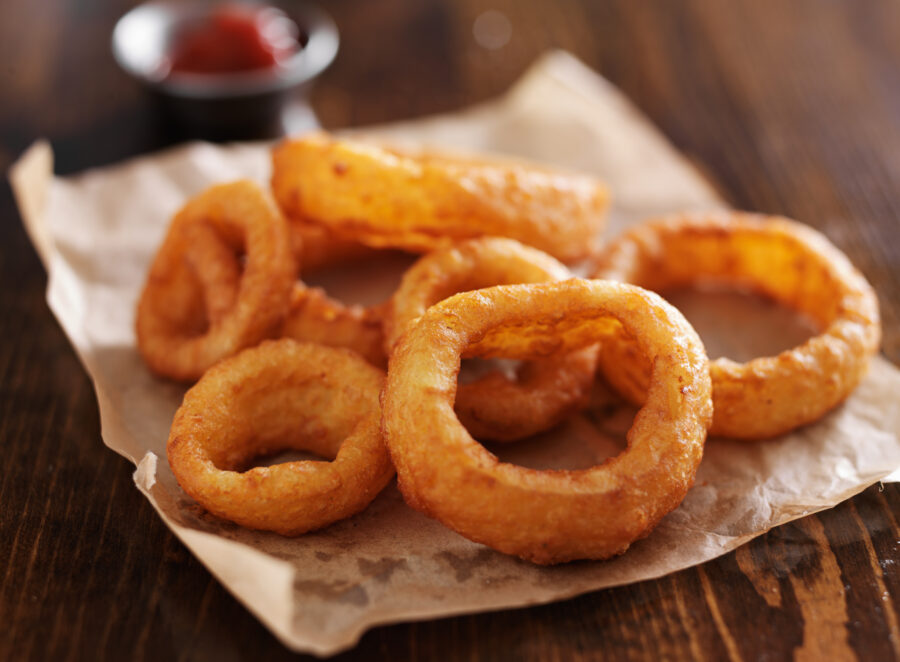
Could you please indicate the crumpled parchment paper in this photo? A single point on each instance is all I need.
(96, 233)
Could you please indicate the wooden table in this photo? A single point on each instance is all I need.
(791, 107)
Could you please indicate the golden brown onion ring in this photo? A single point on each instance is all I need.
(316, 317)
(386, 199)
(782, 259)
(216, 266)
(316, 248)
(174, 336)
(312, 315)
(496, 407)
(277, 396)
(546, 516)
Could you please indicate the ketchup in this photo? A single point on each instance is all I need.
(236, 38)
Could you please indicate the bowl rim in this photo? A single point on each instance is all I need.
(307, 63)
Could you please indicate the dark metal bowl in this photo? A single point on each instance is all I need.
(220, 106)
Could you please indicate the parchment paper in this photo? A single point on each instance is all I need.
(96, 233)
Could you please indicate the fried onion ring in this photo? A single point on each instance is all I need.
(312, 315)
(316, 248)
(546, 516)
(390, 200)
(495, 407)
(782, 259)
(175, 337)
(316, 317)
(282, 395)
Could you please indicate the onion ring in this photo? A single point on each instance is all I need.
(782, 259)
(216, 266)
(174, 336)
(312, 316)
(386, 199)
(282, 395)
(316, 248)
(316, 317)
(546, 516)
(495, 407)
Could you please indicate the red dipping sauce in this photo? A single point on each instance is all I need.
(234, 39)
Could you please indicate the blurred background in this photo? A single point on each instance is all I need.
(788, 107)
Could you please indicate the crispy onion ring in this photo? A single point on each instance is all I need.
(312, 315)
(282, 395)
(546, 516)
(782, 259)
(316, 248)
(174, 335)
(216, 267)
(496, 407)
(316, 317)
(386, 199)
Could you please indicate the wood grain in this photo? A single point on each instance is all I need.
(790, 107)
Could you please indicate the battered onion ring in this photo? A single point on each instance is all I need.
(316, 248)
(174, 337)
(282, 395)
(386, 199)
(546, 516)
(787, 261)
(495, 407)
(216, 266)
(315, 317)
(311, 317)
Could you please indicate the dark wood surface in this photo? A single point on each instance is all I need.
(791, 107)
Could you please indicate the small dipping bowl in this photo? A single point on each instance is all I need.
(226, 105)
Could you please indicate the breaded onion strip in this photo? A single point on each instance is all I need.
(545, 391)
(386, 199)
(316, 317)
(546, 516)
(174, 336)
(316, 248)
(782, 259)
(277, 396)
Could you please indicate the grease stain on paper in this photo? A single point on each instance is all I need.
(339, 591)
(464, 566)
(382, 569)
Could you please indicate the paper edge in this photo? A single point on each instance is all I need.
(398, 616)
(583, 81)
(230, 560)
(30, 177)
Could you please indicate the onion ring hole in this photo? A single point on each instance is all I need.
(738, 323)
